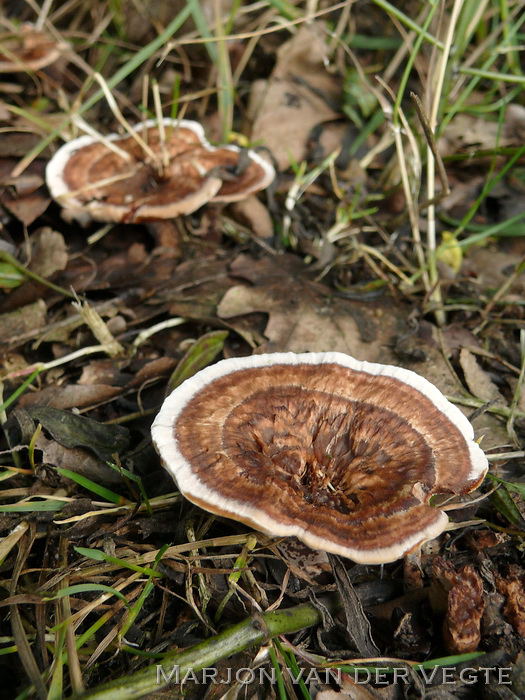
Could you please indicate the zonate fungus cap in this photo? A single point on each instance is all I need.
(28, 49)
(92, 180)
(345, 455)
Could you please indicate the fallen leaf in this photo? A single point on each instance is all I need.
(305, 563)
(468, 133)
(297, 98)
(512, 586)
(478, 381)
(20, 321)
(252, 213)
(450, 252)
(48, 252)
(72, 396)
(304, 319)
(464, 605)
(72, 430)
(77, 460)
(25, 196)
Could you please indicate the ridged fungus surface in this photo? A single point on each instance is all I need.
(178, 171)
(345, 455)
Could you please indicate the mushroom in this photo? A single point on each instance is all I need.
(343, 454)
(157, 171)
(29, 49)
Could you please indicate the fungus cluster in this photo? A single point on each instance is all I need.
(345, 455)
(158, 171)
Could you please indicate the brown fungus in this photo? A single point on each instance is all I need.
(173, 171)
(28, 49)
(345, 455)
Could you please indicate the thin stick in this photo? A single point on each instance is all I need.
(42, 15)
(120, 118)
(435, 295)
(82, 124)
(160, 122)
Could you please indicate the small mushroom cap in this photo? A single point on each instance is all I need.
(28, 49)
(92, 181)
(343, 454)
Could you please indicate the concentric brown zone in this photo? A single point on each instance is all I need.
(324, 447)
(137, 183)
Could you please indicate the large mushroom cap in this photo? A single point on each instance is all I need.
(90, 180)
(345, 455)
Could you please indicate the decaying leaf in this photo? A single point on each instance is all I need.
(71, 396)
(308, 564)
(357, 624)
(252, 213)
(48, 252)
(478, 381)
(465, 605)
(512, 586)
(468, 133)
(72, 430)
(304, 319)
(76, 459)
(27, 318)
(297, 98)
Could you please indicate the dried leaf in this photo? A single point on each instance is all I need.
(72, 430)
(512, 587)
(20, 321)
(72, 396)
(76, 459)
(252, 213)
(303, 562)
(465, 606)
(357, 624)
(478, 381)
(293, 103)
(303, 318)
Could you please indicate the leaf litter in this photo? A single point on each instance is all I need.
(97, 324)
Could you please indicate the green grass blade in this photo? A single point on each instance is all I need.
(97, 555)
(33, 507)
(20, 390)
(200, 355)
(86, 483)
(87, 588)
